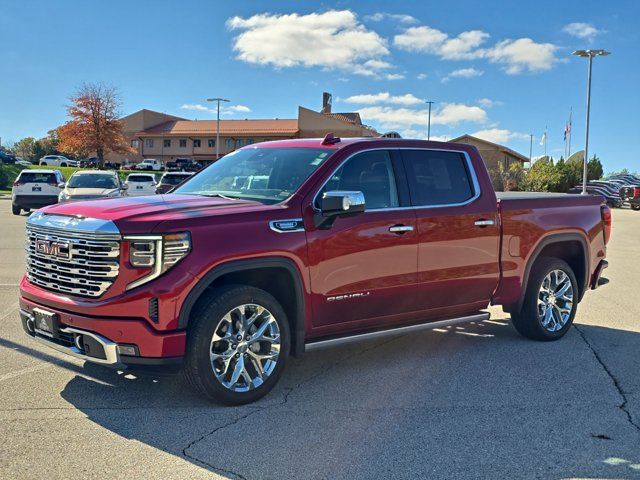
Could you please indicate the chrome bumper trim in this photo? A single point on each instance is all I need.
(110, 352)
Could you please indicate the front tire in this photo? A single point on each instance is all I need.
(635, 207)
(15, 209)
(237, 344)
(550, 302)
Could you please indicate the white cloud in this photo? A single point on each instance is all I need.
(516, 56)
(582, 30)
(499, 135)
(449, 114)
(522, 54)
(463, 73)
(331, 40)
(431, 40)
(383, 97)
(224, 109)
(194, 106)
(488, 103)
(421, 76)
(401, 18)
(394, 76)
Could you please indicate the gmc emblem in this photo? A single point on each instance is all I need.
(54, 249)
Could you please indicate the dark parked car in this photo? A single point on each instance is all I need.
(7, 158)
(183, 165)
(171, 180)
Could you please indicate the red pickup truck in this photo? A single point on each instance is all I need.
(286, 246)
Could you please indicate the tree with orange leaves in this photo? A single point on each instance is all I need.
(94, 126)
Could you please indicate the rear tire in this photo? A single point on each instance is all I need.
(43, 163)
(550, 302)
(210, 365)
(635, 207)
(63, 164)
(15, 209)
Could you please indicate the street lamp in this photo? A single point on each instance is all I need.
(218, 100)
(429, 102)
(588, 54)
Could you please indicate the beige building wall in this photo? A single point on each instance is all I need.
(492, 155)
(316, 125)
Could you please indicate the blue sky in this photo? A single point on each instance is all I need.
(499, 69)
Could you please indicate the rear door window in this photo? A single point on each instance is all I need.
(34, 177)
(438, 178)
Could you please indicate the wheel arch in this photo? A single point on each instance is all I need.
(570, 247)
(257, 272)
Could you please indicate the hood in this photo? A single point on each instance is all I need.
(142, 214)
(102, 192)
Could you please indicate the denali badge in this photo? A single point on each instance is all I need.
(53, 249)
(348, 296)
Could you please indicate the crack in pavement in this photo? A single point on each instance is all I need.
(285, 399)
(614, 379)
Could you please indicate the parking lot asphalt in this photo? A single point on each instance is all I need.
(476, 401)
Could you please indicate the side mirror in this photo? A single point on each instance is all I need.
(61, 185)
(124, 186)
(338, 203)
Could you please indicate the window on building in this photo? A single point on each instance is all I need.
(148, 142)
(437, 177)
(135, 143)
(167, 142)
(183, 143)
(238, 143)
(196, 143)
(249, 141)
(211, 143)
(228, 143)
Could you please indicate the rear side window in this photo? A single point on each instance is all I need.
(437, 178)
(31, 177)
(139, 178)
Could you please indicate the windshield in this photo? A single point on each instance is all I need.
(92, 180)
(266, 175)
(174, 179)
(140, 178)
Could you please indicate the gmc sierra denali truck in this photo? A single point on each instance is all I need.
(285, 246)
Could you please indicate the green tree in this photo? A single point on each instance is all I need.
(512, 177)
(542, 177)
(594, 169)
(25, 148)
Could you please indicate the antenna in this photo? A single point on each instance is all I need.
(329, 139)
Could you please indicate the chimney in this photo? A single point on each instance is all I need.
(326, 102)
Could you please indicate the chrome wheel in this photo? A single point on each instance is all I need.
(245, 347)
(555, 300)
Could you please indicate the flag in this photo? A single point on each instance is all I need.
(566, 131)
(543, 139)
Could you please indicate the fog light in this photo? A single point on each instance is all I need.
(129, 350)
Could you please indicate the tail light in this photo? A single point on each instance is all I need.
(606, 220)
(636, 191)
(17, 183)
(53, 184)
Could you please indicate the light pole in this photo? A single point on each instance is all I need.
(587, 54)
(530, 148)
(218, 100)
(429, 102)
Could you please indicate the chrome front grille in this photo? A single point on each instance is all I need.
(86, 264)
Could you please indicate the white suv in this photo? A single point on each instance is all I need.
(58, 161)
(36, 189)
(141, 184)
(150, 164)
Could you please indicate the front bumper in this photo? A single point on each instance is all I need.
(102, 341)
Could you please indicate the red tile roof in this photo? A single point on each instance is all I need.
(271, 127)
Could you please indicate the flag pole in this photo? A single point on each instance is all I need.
(570, 131)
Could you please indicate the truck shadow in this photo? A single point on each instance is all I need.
(457, 402)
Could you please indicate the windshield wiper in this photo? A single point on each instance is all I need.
(218, 195)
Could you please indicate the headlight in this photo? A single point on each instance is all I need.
(63, 196)
(158, 252)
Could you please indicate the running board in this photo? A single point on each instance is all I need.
(333, 342)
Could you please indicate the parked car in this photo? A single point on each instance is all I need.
(88, 162)
(128, 166)
(92, 184)
(111, 166)
(22, 162)
(187, 165)
(631, 194)
(7, 158)
(348, 240)
(35, 189)
(57, 161)
(613, 200)
(150, 164)
(170, 180)
(141, 184)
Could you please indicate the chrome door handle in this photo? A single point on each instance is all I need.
(401, 228)
(484, 222)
